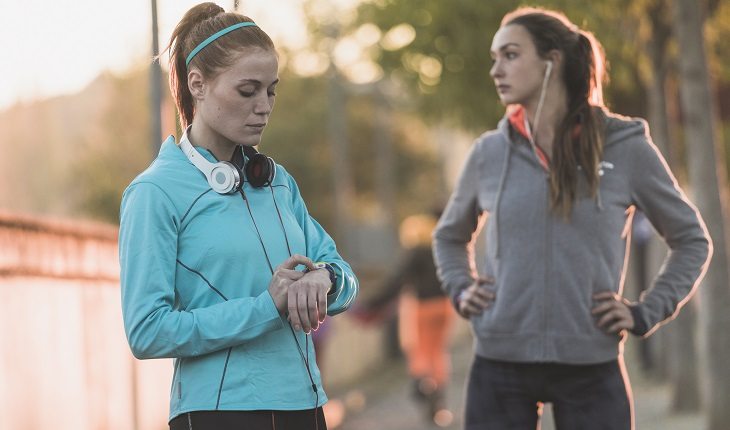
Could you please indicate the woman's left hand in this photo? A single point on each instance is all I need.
(612, 312)
(308, 300)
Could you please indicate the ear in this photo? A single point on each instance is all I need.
(556, 57)
(196, 84)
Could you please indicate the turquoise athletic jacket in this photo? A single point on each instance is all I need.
(194, 284)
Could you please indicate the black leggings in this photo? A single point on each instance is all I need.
(508, 396)
(309, 419)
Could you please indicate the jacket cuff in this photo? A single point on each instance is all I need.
(456, 298)
(457, 294)
(640, 326)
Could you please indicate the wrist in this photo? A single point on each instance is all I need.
(458, 298)
(640, 328)
(321, 265)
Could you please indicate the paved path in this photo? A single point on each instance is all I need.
(382, 401)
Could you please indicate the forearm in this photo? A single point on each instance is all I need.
(158, 331)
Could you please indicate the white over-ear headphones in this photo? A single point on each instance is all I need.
(223, 177)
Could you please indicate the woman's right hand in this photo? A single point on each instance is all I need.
(285, 275)
(475, 298)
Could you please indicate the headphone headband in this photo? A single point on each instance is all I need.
(223, 177)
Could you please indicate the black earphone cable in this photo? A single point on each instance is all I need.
(305, 357)
(281, 221)
(258, 233)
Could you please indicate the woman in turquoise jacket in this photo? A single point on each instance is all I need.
(222, 267)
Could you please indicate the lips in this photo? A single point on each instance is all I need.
(257, 128)
(502, 87)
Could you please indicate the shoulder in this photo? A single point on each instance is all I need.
(284, 179)
(488, 150)
(624, 129)
(628, 141)
(170, 177)
(491, 140)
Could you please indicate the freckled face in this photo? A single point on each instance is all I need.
(238, 101)
(517, 70)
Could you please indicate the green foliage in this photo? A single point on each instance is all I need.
(92, 144)
(112, 151)
(458, 36)
(297, 137)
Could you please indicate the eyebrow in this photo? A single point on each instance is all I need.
(255, 81)
(505, 46)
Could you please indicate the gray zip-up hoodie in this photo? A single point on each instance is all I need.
(546, 268)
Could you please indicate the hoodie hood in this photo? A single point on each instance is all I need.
(618, 127)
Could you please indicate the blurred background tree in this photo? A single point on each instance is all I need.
(371, 115)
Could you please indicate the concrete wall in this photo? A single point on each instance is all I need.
(64, 359)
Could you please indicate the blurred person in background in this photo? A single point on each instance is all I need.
(425, 317)
(210, 248)
(557, 183)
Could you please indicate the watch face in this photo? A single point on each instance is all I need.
(320, 265)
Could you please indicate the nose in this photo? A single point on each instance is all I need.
(496, 70)
(264, 104)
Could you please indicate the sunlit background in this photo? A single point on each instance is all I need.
(378, 104)
(58, 47)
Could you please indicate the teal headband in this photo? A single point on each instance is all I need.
(215, 36)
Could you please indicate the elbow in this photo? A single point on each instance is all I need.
(141, 348)
(141, 354)
(709, 249)
(142, 344)
(140, 351)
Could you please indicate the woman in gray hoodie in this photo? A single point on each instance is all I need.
(557, 184)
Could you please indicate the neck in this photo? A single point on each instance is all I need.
(201, 135)
(554, 109)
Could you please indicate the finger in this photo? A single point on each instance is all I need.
(294, 310)
(618, 326)
(295, 260)
(602, 307)
(322, 304)
(607, 318)
(485, 280)
(312, 304)
(604, 295)
(484, 294)
(294, 275)
(303, 310)
(478, 301)
(473, 308)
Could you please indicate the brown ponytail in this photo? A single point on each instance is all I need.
(199, 23)
(579, 137)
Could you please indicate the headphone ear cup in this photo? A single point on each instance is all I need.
(260, 170)
(224, 178)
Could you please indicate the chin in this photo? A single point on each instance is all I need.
(507, 100)
(250, 140)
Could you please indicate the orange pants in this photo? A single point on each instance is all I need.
(424, 327)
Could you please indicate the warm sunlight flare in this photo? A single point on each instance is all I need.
(72, 41)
